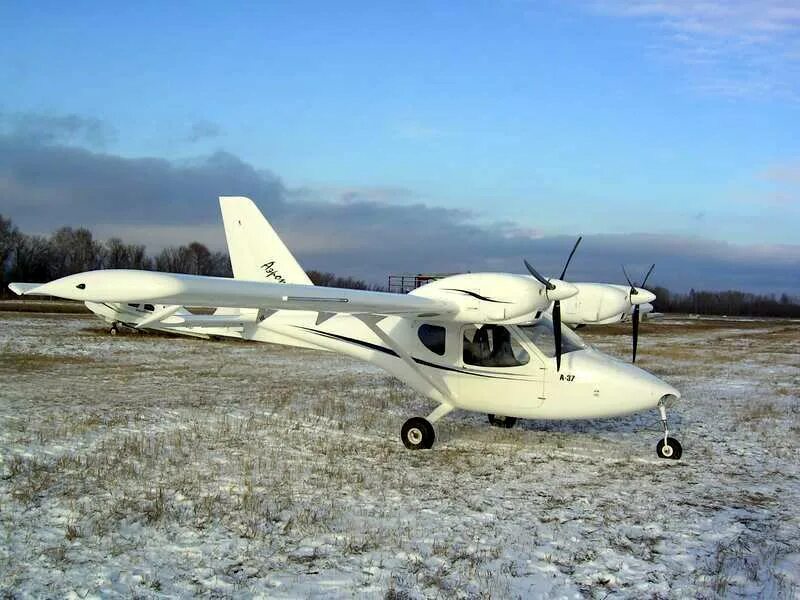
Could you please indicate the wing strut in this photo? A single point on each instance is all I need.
(372, 321)
(157, 316)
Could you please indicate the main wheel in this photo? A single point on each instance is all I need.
(671, 449)
(113, 330)
(501, 421)
(417, 434)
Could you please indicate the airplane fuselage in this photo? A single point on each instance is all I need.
(521, 382)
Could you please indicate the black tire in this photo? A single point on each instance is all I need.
(113, 330)
(417, 434)
(672, 449)
(501, 421)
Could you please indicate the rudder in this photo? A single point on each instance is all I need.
(256, 251)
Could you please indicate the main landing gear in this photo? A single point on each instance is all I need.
(667, 447)
(501, 421)
(114, 329)
(418, 434)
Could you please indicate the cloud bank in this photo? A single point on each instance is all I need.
(46, 181)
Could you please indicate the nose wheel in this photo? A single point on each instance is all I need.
(667, 447)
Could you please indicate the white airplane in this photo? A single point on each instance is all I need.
(469, 341)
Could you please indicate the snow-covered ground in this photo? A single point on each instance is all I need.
(159, 467)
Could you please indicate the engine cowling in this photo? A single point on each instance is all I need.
(594, 303)
(601, 303)
(495, 297)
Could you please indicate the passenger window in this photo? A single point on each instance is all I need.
(432, 337)
(493, 346)
(149, 307)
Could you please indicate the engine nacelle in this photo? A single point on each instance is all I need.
(493, 297)
(595, 303)
(602, 303)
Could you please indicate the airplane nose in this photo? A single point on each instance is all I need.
(620, 388)
(666, 392)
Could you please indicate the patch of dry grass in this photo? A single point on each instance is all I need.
(16, 362)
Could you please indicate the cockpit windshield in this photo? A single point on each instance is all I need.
(541, 334)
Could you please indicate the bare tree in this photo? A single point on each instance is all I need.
(200, 259)
(175, 260)
(9, 237)
(331, 280)
(74, 251)
(32, 259)
(115, 254)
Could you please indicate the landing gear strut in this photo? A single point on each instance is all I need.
(667, 447)
(418, 434)
(114, 330)
(501, 421)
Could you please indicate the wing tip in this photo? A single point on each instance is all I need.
(21, 289)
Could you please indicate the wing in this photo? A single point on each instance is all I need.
(193, 290)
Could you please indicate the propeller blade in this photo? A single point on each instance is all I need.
(653, 266)
(575, 247)
(541, 279)
(630, 283)
(557, 332)
(635, 330)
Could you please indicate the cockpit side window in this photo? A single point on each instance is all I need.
(133, 305)
(493, 346)
(149, 307)
(433, 338)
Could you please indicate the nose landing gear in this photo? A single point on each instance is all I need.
(667, 447)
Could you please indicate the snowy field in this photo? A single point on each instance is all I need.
(144, 466)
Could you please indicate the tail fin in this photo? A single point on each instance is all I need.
(257, 253)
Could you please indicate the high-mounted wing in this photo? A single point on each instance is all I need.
(114, 285)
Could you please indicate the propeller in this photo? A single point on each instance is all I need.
(635, 317)
(549, 286)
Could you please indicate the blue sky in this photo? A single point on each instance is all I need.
(610, 117)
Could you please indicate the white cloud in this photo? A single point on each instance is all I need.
(732, 48)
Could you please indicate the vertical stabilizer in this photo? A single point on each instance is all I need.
(256, 251)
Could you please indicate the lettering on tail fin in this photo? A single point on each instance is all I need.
(269, 269)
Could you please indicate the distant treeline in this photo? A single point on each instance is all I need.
(38, 259)
(731, 303)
